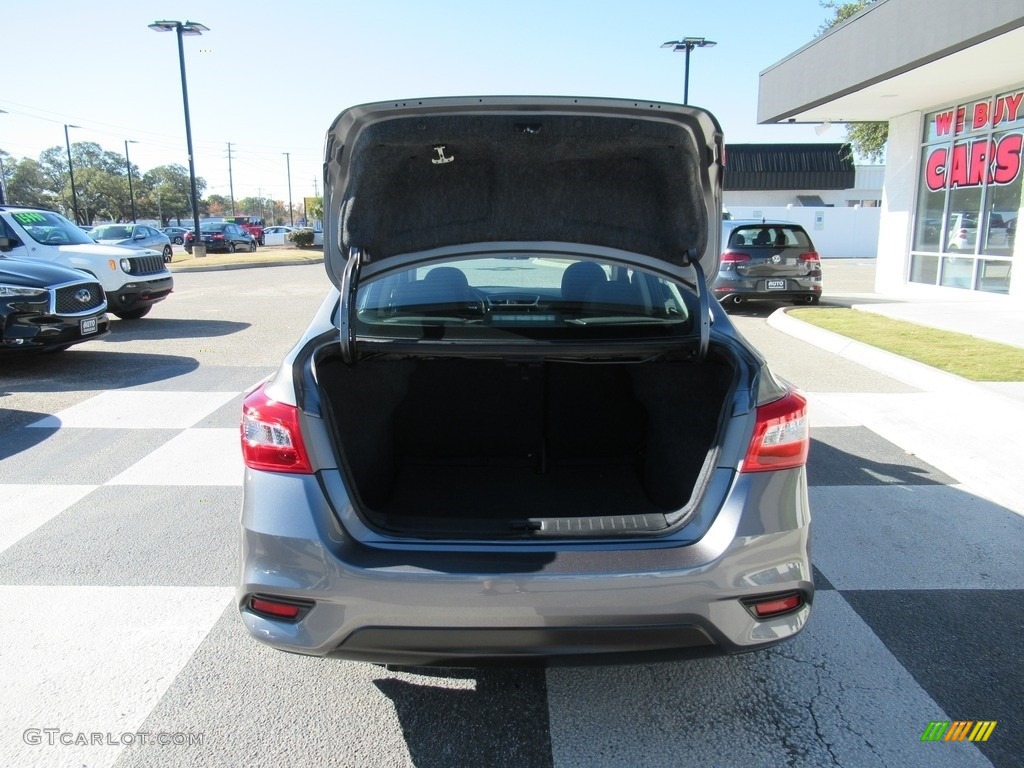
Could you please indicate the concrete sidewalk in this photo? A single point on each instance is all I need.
(972, 431)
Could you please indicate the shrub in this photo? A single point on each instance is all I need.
(301, 237)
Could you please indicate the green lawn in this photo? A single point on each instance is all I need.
(958, 353)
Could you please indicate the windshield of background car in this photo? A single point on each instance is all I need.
(769, 236)
(115, 232)
(51, 228)
(215, 227)
(518, 297)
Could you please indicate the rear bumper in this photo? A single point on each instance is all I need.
(436, 604)
(731, 287)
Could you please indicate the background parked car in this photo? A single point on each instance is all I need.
(222, 236)
(176, 234)
(276, 235)
(767, 260)
(963, 232)
(134, 236)
(134, 279)
(45, 307)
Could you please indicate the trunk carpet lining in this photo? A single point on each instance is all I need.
(517, 492)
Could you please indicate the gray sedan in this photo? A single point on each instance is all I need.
(134, 236)
(519, 428)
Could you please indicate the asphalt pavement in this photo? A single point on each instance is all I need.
(120, 485)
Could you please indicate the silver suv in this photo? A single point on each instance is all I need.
(519, 428)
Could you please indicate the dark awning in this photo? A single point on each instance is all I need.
(788, 166)
(811, 201)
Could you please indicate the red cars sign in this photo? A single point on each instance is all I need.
(969, 163)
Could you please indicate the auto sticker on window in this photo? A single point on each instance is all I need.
(28, 217)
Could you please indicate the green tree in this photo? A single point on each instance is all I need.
(315, 210)
(218, 205)
(167, 193)
(7, 167)
(867, 139)
(101, 181)
(26, 184)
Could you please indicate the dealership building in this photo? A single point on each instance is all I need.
(948, 78)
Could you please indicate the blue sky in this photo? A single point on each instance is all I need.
(270, 77)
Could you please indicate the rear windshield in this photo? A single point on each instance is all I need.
(524, 296)
(769, 236)
(114, 232)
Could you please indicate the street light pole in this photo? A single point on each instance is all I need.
(128, 163)
(3, 175)
(186, 28)
(288, 160)
(71, 172)
(686, 45)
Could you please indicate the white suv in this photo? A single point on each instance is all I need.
(133, 279)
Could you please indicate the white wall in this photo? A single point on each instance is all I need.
(836, 232)
(902, 153)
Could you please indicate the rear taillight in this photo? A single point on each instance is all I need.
(733, 257)
(770, 607)
(276, 608)
(271, 439)
(811, 262)
(781, 435)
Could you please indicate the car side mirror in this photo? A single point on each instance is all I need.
(5, 244)
(141, 236)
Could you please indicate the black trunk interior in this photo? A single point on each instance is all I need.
(445, 445)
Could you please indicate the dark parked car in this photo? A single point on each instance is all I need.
(133, 236)
(44, 307)
(519, 428)
(767, 260)
(176, 234)
(222, 236)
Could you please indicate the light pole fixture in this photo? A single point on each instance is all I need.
(128, 163)
(288, 160)
(687, 44)
(71, 172)
(186, 28)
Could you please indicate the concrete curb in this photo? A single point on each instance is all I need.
(245, 265)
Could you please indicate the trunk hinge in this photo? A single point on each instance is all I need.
(704, 299)
(347, 311)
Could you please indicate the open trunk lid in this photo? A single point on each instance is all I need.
(410, 176)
